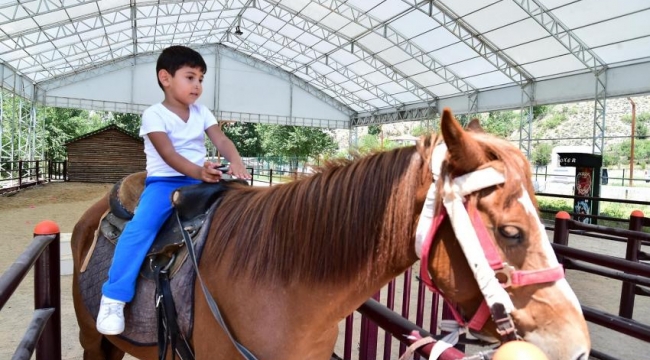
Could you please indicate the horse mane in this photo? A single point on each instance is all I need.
(325, 227)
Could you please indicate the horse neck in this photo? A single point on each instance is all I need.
(345, 225)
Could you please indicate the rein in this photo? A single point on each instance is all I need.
(212, 304)
(479, 249)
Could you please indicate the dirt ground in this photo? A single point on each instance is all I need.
(64, 203)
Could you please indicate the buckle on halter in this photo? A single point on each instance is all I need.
(505, 326)
(504, 275)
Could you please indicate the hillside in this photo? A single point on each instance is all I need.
(564, 124)
(577, 122)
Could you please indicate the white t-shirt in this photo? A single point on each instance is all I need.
(188, 138)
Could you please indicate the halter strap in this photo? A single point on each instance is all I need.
(477, 245)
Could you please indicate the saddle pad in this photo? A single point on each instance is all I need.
(140, 314)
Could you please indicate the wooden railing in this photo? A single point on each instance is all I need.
(15, 175)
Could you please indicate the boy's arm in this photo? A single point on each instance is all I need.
(229, 151)
(164, 147)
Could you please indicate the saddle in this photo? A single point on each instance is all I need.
(193, 208)
(191, 204)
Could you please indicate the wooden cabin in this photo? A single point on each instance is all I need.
(105, 155)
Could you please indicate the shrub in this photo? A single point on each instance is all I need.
(542, 154)
(553, 121)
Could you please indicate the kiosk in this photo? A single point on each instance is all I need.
(587, 183)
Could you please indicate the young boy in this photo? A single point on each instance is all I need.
(174, 144)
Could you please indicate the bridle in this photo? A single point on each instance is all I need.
(480, 250)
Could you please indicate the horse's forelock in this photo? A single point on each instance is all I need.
(516, 167)
(323, 228)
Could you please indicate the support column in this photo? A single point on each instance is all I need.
(3, 122)
(472, 104)
(526, 120)
(32, 131)
(291, 102)
(353, 137)
(600, 103)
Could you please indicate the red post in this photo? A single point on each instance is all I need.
(47, 291)
(368, 337)
(406, 301)
(349, 329)
(561, 232)
(390, 303)
(626, 306)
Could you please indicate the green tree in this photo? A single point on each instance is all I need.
(295, 142)
(501, 123)
(540, 110)
(374, 129)
(609, 158)
(62, 125)
(420, 130)
(129, 122)
(541, 155)
(245, 137)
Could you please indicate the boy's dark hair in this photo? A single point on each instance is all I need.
(177, 56)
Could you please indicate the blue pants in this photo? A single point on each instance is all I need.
(153, 210)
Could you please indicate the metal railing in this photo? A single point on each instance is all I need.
(43, 334)
(630, 270)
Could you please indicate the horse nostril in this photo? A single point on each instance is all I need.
(582, 356)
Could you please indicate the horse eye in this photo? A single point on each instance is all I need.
(509, 232)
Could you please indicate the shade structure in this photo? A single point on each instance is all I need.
(330, 63)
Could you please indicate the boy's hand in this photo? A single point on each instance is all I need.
(209, 172)
(238, 170)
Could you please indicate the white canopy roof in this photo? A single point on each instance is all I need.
(364, 60)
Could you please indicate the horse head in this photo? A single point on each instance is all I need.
(485, 227)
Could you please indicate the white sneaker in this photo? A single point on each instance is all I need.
(110, 320)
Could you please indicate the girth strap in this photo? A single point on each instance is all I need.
(169, 333)
(208, 298)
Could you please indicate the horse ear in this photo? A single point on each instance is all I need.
(465, 154)
(475, 126)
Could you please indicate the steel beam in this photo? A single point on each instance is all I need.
(472, 104)
(387, 31)
(446, 18)
(239, 15)
(57, 101)
(526, 119)
(600, 106)
(560, 32)
(279, 60)
(413, 114)
(350, 44)
(118, 64)
(308, 51)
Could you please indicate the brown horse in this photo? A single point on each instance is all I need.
(287, 263)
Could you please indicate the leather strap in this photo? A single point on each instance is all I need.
(168, 331)
(208, 298)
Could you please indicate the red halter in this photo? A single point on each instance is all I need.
(512, 276)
